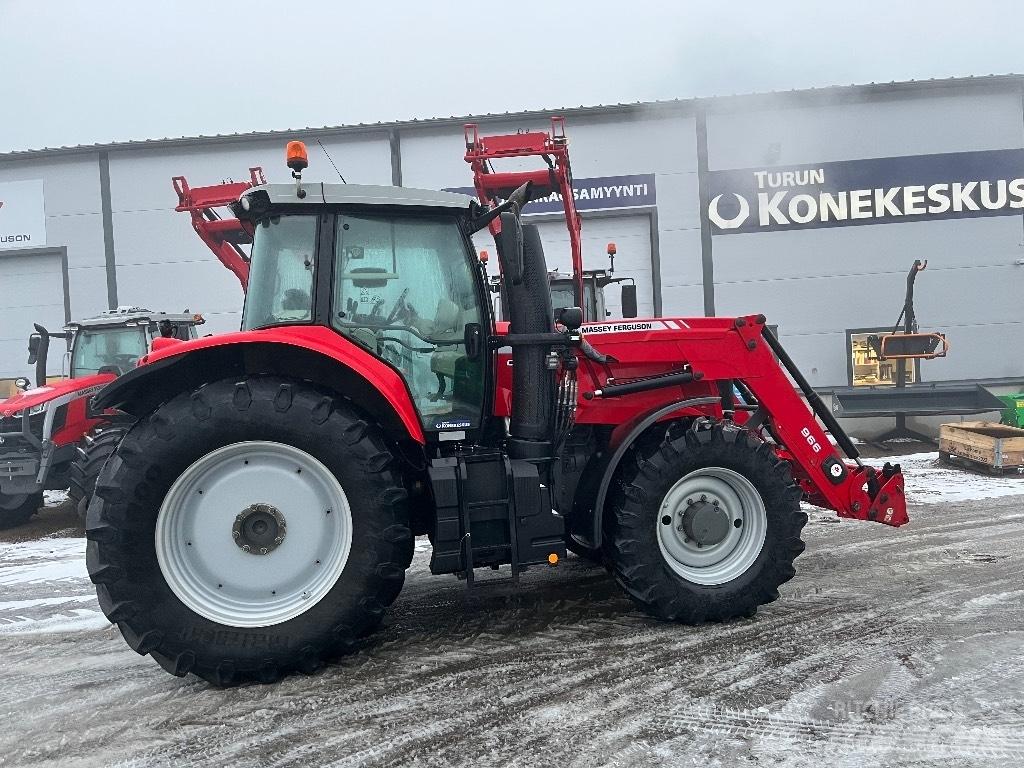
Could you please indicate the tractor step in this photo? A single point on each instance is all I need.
(491, 511)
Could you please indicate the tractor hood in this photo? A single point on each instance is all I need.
(39, 395)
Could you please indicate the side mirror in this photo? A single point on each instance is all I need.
(33, 348)
(571, 318)
(510, 247)
(21, 383)
(629, 300)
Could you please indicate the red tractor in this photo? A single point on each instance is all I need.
(45, 430)
(259, 516)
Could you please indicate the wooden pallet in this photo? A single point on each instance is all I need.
(995, 448)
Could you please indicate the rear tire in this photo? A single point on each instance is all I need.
(90, 460)
(161, 588)
(16, 510)
(748, 539)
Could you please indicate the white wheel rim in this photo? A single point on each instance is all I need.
(724, 560)
(212, 575)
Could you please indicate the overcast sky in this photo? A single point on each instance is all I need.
(83, 72)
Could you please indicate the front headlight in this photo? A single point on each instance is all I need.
(31, 411)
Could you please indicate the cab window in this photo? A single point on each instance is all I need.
(281, 272)
(404, 289)
(111, 350)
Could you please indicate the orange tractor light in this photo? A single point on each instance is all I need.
(296, 155)
(612, 250)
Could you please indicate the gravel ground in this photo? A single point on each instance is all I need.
(890, 647)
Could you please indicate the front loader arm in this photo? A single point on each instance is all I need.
(223, 236)
(851, 488)
(695, 357)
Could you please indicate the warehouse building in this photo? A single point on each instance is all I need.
(808, 206)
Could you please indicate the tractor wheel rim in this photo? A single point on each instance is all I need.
(711, 526)
(202, 562)
(8, 502)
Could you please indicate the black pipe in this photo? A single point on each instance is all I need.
(531, 340)
(813, 399)
(644, 385)
(531, 425)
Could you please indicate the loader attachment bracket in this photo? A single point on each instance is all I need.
(909, 346)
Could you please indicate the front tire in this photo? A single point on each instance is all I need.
(706, 526)
(17, 509)
(245, 531)
(90, 460)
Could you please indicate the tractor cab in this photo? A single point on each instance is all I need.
(111, 342)
(114, 341)
(43, 428)
(390, 270)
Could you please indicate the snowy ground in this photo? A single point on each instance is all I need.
(890, 647)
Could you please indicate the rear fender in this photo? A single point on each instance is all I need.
(336, 364)
(600, 472)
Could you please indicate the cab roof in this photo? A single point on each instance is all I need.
(360, 194)
(127, 315)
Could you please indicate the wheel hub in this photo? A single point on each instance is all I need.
(259, 529)
(706, 523)
(711, 526)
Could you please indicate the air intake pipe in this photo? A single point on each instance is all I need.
(525, 274)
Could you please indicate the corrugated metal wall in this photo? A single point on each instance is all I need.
(814, 284)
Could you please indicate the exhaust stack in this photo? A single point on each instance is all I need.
(533, 384)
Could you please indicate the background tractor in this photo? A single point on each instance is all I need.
(562, 289)
(48, 438)
(258, 517)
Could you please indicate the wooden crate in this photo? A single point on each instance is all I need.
(996, 447)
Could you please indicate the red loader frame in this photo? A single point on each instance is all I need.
(701, 353)
(222, 236)
(557, 177)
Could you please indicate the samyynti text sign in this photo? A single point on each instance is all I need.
(884, 190)
(22, 214)
(598, 193)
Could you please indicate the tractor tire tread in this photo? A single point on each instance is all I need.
(118, 525)
(92, 455)
(630, 540)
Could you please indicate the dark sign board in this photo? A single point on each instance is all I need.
(883, 190)
(599, 193)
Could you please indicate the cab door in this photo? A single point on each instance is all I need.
(406, 288)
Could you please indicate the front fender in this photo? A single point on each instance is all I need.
(309, 353)
(591, 534)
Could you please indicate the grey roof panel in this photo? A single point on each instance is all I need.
(362, 194)
(726, 101)
(135, 315)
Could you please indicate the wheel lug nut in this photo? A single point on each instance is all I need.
(703, 497)
(689, 502)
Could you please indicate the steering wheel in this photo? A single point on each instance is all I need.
(399, 305)
(125, 361)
